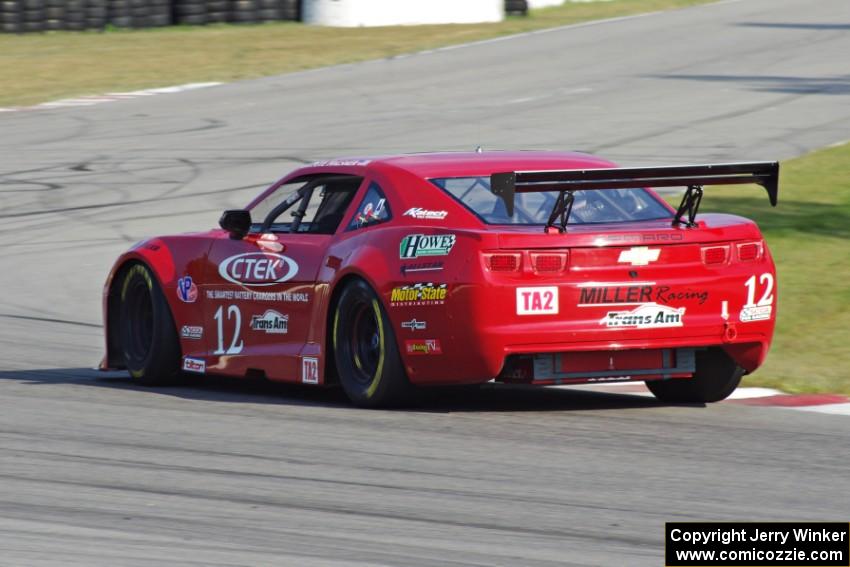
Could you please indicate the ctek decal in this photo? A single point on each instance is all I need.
(271, 322)
(635, 293)
(423, 346)
(435, 266)
(418, 294)
(639, 256)
(198, 365)
(310, 370)
(258, 269)
(425, 214)
(537, 300)
(191, 332)
(417, 245)
(414, 325)
(187, 291)
(648, 316)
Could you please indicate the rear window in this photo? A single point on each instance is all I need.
(607, 206)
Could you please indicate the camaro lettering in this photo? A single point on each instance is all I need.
(258, 269)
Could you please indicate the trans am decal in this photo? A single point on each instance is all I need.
(271, 322)
(646, 316)
(419, 294)
(258, 269)
(537, 300)
(417, 245)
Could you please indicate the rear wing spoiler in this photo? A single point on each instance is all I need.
(694, 177)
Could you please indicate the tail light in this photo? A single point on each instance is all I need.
(549, 262)
(715, 255)
(503, 262)
(749, 251)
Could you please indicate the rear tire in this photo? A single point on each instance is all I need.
(367, 360)
(146, 329)
(716, 377)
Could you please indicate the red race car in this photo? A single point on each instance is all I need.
(389, 273)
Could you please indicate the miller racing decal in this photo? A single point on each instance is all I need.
(258, 269)
(271, 322)
(423, 346)
(419, 294)
(425, 214)
(417, 245)
(191, 332)
(596, 293)
(310, 370)
(537, 300)
(187, 291)
(646, 316)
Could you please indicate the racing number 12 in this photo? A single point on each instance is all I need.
(767, 297)
(236, 343)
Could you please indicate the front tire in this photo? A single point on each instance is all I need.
(367, 360)
(716, 377)
(146, 328)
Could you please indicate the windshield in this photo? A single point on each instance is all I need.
(610, 205)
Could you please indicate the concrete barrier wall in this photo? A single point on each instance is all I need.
(354, 13)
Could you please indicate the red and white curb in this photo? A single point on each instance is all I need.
(822, 403)
(91, 100)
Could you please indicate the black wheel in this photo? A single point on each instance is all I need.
(365, 351)
(715, 379)
(148, 337)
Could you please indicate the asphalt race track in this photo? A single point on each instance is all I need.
(96, 471)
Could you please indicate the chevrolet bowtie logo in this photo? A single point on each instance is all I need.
(639, 256)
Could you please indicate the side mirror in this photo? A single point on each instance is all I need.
(237, 222)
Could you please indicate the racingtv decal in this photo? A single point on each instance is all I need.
(423, 346)
(197, 365)
(418, 245)
(310, 370)
(596, 293)
(187, 291)
(646, 316)
(414, 325)
(258, 269)
(537, 300)
(191, 332)
(425, 214)
(419, 294)
(271, 322)
(286, 296)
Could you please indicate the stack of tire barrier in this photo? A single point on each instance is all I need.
(516, 7)
(19, 16)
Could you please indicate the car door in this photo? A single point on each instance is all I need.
(261, 294)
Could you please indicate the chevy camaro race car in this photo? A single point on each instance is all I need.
(389, 273)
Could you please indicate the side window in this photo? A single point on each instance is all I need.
(316, 206)
(373, 209)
